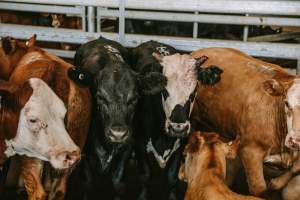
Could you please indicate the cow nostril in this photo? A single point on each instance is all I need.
(118, 133)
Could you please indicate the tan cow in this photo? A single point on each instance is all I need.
(258, 101)
(204, 169)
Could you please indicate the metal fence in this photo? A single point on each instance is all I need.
(236, 12)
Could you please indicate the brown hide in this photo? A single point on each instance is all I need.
(53, 70)
(13, 99)
(205, 167)
(72, 95)
(240, 105)
(13, 17)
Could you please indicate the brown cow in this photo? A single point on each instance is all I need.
(53, 70)
(9, 60)
(258, 101)
(205, 168)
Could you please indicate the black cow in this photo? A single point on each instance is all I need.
(102, 65)
(163, 117)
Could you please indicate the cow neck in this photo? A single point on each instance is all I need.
(104, 151)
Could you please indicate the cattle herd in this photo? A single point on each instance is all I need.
(195, 120)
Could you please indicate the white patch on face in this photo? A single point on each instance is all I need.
(41, 130)
(181, 73)
(293, 99)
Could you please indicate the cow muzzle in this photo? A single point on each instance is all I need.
(65, 159)
(118, 134)
(178, 129)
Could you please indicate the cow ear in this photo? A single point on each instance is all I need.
(209, 75)
(232, 148)
(158, 56)
(273, 87)
(31, 41)
(8, 45)
(79, 77)
(152, 83)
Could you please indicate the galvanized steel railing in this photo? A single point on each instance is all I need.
(239, 12)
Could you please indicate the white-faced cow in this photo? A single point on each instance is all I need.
(102, 65)
(41, 116)
(32, 124)
(163, 116)
(258, 101)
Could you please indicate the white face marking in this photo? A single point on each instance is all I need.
(181, 73)
(41, 130)
(293, 99)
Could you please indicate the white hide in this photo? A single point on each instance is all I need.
(41, 130)
(181, 73)
(293, 99)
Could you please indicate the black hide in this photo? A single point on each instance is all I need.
(102, 65)
(150, 120)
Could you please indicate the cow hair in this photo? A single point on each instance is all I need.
(150, 79)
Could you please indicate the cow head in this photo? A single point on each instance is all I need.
(11, 52)
(182, 73)
(205, 151)
(291, 94)
(32, 120)
(114, 86)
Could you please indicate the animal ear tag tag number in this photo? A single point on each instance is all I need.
(162, 160)
(163, 51)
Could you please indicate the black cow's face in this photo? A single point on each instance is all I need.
(182, 73)
(116, 95)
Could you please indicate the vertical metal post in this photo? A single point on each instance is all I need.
(122, 21)
(246, 31)
(91, 19)
(98, 20)
(83, 18)
(195, 28)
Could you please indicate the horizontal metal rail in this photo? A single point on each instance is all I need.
(41, 8)
(205, 18)
(262, 49)
(275, 7)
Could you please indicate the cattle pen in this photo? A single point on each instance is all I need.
(229, 12)
(95, 94)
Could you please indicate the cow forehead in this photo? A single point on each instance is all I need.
(293, 94)
(44, 99)
(181, 74)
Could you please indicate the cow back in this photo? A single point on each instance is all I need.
(238, 103)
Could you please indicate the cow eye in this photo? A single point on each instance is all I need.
(33, 120)
(165, 94)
